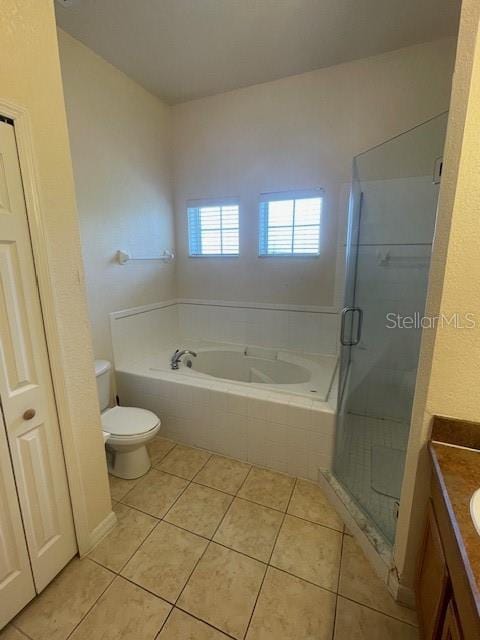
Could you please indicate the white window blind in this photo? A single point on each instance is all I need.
(213, 229)
(290, 223)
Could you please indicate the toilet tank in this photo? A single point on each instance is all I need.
(102, 372)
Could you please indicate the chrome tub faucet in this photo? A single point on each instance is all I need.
(175, 359)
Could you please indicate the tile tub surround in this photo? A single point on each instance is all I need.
(139, 331)
(170, 579)
(283, 432)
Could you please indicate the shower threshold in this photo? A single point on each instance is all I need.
(374, 544)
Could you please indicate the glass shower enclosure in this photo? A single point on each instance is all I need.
(389, 238)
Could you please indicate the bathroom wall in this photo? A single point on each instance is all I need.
(298, 132)
(448, 376)
(30, 79)
(120, 140)
(139, 332)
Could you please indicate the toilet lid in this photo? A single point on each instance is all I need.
(128, 421)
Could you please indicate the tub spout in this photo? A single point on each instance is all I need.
(175, 359)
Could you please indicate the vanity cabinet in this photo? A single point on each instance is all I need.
(432, 582)
(446, 590)
(451, 625)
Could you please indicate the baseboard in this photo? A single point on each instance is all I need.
(101, 531)
(403, 594)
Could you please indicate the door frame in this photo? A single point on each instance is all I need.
(38, 237)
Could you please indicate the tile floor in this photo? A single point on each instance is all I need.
(209, 548)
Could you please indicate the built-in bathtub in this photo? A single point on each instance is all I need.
(267, 369)
(269, 407)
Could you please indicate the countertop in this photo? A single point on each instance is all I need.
(455, 452)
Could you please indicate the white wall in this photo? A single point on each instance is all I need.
(137, 333)
(120, 139)
(30, 79)
(448, 375)
(298, 132)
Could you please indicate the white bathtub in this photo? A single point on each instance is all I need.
(279, 371)
(286, 421)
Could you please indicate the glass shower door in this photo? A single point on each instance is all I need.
(350, 316)
(390, 233)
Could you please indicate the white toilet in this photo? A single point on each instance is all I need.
(127, 430)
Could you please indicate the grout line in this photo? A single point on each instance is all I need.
(209, 624)
(338, 585)
(211, 541)
(340, 563)
(115, 576)
(270, 557)
(174, 502)
(142, 478)
(157, 521)
(140, 545)
(12, 623)
(201, 484)
(162, 626)
(192, 571)
(382, 613)
(244, 480)
(147, 589)
(118, 573)
(320, 524)
(313, 584)
(335, 617)
(176, 474)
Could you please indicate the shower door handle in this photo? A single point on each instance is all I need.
(345, 312)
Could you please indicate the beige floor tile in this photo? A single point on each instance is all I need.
(181, 626)
(359, 582)
(124, 539)
(199, 509)
(119, 487)
(309, 551)
(184, 461)
(269, 488)
(124, 611)
(59, 608)
(250, 528)
(10, 633)
(165, 560)
(309, 502)
(223, 589)
(291, 609)
(223, 474)
(158, 449)
(155, 493)
(355, 622)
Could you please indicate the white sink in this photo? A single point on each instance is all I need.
(475, 510)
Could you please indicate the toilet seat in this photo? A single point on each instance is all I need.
(128, 422)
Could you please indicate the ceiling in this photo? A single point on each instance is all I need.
(185, 49)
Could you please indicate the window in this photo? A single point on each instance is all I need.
(213, 229)
(290, 223)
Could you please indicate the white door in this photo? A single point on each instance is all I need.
(16, 580)
(26, 391)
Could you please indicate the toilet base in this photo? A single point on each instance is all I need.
(128, 464)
